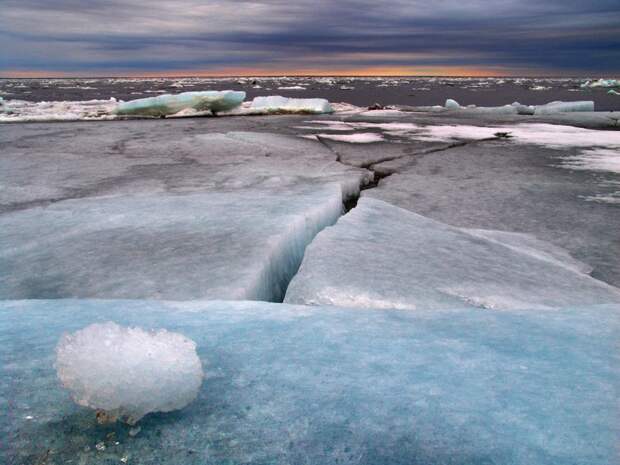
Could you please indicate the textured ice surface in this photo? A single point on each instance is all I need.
(126, 158)
(594, 160)
(163, 105)
(421, 263)
(508, 186)
(243, 244)
(128, 372)
(18, 111)
(278, 104)
(291, 385)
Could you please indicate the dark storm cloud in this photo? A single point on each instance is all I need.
(71, 35)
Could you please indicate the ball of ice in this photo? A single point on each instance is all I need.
(128, 372)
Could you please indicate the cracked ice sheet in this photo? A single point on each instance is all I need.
(291, 384)
(514, 187)
(421, 263)
(233, 245)
(38, 165)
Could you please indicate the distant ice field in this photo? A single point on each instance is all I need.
(362, 91)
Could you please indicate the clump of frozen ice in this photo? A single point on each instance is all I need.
(164, 105)
(128, 372)
(278, 104)
(452, 104)
(602, 83)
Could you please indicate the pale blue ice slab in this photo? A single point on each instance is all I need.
(244, 244)
(168, 104)
(319, 385)
(382, 256)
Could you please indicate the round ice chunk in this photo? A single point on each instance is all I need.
(452, 104)
(128, 372)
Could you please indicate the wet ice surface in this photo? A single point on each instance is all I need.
(224, 207)
(287, 384)
(234, 245)
(442, 267)
(147, 215)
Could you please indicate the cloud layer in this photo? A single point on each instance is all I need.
(563, 37)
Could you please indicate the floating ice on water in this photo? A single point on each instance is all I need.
(517, 108)
(452, 104)
(564, 107)
(279, 104)
(292, 88)
(602, 83)
(18, 111)
(128, 372)
(164, 105)
(421, 263)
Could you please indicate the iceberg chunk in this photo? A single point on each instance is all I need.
(164, 105)
(421, 263)
(278, 104)
(128, 372)
(324, 385)
(452, 104)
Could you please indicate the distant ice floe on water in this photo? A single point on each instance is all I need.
(21, 110)
(186, 104)
(601, 83)
(166, 105)
(518, 109)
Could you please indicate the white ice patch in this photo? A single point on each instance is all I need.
(19, 111)
(292, 88)
(277, 104)
(129, 372)
(601, 83)
(357, 138)
(594, 160)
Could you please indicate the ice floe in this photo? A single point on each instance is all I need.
(165, 105)
(278, 104)
(421, 263)
(294, 384)
(601, 83)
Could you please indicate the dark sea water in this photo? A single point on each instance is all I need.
(416, 91)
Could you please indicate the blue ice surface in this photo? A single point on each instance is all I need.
(169, 104)
(323, 385)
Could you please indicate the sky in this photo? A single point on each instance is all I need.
(309, 37)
